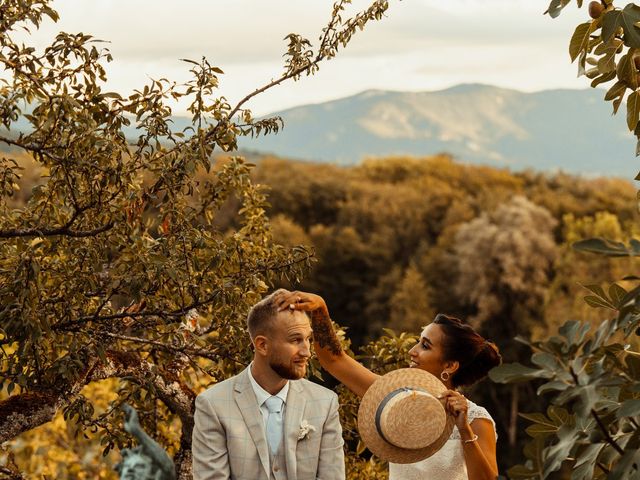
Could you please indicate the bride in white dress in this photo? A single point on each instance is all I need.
(449, 349)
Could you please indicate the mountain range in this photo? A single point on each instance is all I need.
(569, 130)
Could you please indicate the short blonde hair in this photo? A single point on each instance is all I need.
(262, 314)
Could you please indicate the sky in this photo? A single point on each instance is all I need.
(422, 45)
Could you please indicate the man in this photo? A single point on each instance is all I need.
(268, 422)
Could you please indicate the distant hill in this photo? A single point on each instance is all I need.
(571, 130)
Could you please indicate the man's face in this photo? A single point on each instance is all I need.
(136, 467)
(290, 345)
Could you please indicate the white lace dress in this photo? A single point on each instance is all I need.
(448, 462)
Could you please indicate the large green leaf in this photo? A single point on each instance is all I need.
(626, 468)
(556, 6)
(586, 461)
(604, 246)
(626, 71)
(516, 372)
(629, 408)
(633, 110)
(627, 18)
(560, 451)
(616, 90)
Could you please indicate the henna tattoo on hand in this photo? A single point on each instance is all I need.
(323, 332)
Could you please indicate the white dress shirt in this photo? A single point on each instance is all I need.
(262, 395)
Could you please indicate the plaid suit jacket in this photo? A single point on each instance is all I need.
(229, 440)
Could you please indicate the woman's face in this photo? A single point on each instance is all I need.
(427, 354)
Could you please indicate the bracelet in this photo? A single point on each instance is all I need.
(471, 440)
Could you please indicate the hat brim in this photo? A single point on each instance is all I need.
(403, 377)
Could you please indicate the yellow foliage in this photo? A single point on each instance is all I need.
(53, 451)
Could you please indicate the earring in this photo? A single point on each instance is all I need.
(444, 376)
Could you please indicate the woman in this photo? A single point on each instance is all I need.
(448, 349)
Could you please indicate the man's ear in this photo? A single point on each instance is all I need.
(261, 345)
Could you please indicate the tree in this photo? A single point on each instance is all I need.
(115, 267)
(590, 379)
(504, 265)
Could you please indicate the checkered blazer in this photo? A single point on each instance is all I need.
(229, 440)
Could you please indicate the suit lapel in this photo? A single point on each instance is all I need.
(294, 414)
(248, 405)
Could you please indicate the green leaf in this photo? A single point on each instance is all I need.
(633, 110)
(516, 372)
(596, 289)
(626, 70)
(629, 17)
(586, 461)
(539, 429)
(629, 408)
(574, 331)
(597, 302)
(536, 417)
(626, 467)
(610, 24)
(616, 293)
(558, 452)
(580, 40)
(601, 246)
(559, 415)
(604, 78)
(555, 7)
(553, 386)
(545, 360)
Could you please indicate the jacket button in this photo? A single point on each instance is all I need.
(275, 469)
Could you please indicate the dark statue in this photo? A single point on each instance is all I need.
(147, 461)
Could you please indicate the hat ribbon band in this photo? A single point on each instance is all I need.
(386, 400)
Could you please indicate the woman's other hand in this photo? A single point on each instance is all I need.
(304, 301)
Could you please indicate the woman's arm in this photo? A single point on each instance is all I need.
(355, 376)
(480, 456)
(478, 438)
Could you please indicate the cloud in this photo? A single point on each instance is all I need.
(421, 45)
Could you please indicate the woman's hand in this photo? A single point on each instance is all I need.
(457, 406)
(306, 302)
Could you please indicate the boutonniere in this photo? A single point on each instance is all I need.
(305, 428)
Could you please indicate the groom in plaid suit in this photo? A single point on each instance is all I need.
(268, 422)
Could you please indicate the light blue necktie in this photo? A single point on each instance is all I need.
(274, 423)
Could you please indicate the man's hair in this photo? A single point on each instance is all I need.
(262, 315)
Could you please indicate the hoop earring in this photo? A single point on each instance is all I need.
(443, 377)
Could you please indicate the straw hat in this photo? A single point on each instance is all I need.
(400, 418)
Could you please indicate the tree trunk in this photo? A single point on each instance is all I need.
(513, 421)
(183, 464)
(25, 411)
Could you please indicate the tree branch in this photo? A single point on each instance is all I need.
(49, 232)
(606, 433)
(25, 411)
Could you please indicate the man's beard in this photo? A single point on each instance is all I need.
(285, 371)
